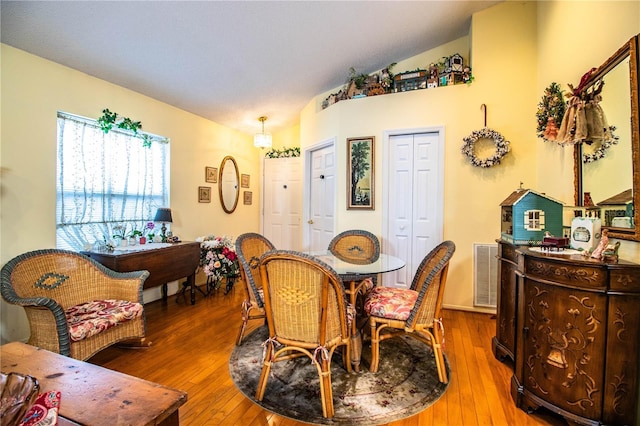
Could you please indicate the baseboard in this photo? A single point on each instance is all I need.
(476, 309)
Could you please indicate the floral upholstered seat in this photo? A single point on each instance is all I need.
(392, 303)
(88, 319)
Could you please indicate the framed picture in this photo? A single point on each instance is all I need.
(248, 197)
(204, 194)
(244, 181)
(211, 174)
(360, 174)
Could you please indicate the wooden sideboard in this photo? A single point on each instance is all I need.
(571, 326)
(165, 263)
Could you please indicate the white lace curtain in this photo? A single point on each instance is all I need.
(105, 180)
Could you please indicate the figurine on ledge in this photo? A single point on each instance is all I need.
(602, 245)
(606, 251)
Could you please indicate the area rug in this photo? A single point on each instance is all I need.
(405, 384)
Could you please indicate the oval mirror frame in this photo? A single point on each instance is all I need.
(229, 184)
(629, 50)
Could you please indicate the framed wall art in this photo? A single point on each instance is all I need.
(360, 176)
(244, 181)
(204, 194)
(248, 197)
(211, 174)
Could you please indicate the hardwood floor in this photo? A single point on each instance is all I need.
(191, 347)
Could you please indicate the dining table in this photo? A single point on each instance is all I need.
(352, 275)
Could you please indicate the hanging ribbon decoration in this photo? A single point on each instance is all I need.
(584, 121)
(501, 145)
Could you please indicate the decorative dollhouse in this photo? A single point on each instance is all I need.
(526, 215)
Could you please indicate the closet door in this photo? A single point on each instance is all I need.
(415, 202)
(282, 212)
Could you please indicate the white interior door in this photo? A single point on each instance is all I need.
(322, 185)
(414, 201)
(282, 207)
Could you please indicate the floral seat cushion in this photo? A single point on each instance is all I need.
(88, 319)
(391, 303)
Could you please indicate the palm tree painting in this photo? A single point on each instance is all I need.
(360, 178)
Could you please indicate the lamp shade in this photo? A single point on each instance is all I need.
(163, 215)
(262, 140)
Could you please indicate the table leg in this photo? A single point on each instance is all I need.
(356, 338)
(191, 282)
(164, 292)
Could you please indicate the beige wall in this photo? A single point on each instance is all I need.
(517, 49)
(33, 90)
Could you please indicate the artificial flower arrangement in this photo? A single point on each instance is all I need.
(147, 231)
(218, 258)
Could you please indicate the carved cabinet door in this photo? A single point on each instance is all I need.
(564, 344)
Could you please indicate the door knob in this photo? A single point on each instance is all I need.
(310, 222)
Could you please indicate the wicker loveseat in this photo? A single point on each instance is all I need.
(75, 306)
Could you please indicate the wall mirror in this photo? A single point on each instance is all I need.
(613, 182)
(229, 184)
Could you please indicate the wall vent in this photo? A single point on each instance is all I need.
(485, 273)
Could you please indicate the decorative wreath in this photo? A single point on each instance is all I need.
(550, 112)
(600, 152)
(502, 147)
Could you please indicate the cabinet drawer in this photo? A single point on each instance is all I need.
(507, 252)
(575, 275)
(627, 280)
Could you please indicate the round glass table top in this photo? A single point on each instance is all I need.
(385, 263)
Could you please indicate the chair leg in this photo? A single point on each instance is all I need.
(326, 391)
(264, 374)
(437, 352)
(375, 346)
(243, 326)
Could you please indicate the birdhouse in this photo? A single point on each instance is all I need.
(411, 80)
(456, 63)
(526, 215)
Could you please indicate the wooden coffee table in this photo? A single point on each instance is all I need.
(93, 395)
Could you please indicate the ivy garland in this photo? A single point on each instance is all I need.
(600, 152)
(552, 105)
(283, 153)
(502, 147)
(109, 120)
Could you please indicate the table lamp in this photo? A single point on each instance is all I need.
(163, 215)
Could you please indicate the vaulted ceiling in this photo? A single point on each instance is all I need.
(232, 61)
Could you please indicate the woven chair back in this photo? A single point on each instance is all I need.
(249, 248)
(429, 281)
(304, 300)
(56, 274)
(355, 246)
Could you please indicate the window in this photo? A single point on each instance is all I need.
(105, 180)
(534, 220)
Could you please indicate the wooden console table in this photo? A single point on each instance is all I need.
(93, 395)
(570, 324)
(165, 263)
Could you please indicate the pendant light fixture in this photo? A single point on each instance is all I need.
(262, 140)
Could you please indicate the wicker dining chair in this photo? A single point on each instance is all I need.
(359, 247)
(75, 306)
(307, 316)
(249, 248)
(414, 311)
